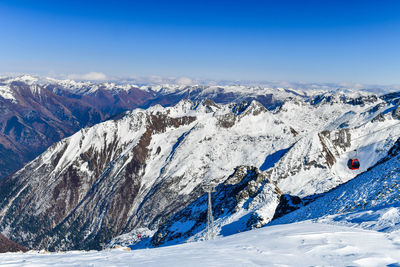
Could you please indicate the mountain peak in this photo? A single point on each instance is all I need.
(25, 78)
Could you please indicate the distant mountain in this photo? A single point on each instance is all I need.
(143, 172)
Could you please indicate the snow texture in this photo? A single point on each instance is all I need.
(300, 244)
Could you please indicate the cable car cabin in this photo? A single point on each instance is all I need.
(353, 164)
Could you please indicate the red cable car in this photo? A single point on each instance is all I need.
(353, 164)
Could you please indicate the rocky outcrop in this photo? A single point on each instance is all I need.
(396, 113)
(393, 152)
(340, 139)
(236, 195)
(130, 173)
(334, 98)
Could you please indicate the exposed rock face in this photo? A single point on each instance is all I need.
(380, 117)
(7, 245)
(287, 204)
(394, 151)
(332, 98)
(340, 140)
(391, 97)
(396, 113)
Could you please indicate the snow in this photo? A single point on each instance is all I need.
(372, 190)
(370, 141)
(299, 244)
(6, 93)
(280, 91)
(28, 79)
(378, 219)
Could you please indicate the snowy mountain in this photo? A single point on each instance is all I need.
(143, 172)
(37, 111)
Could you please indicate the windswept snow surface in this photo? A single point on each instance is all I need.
(300, 244)
(380, 219)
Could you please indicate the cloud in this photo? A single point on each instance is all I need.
(91, 76)
(155, 79)
(354, 85)
(184, 81)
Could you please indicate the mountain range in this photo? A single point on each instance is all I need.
(37, 112)
(268, 153)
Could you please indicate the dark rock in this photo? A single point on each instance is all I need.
(379, 117)
(7, 245)
(287, 204)
(396, 113)
(238, 188)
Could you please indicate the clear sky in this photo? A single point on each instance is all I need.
(316, 41)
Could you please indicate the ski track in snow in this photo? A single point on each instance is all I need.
(299, 244)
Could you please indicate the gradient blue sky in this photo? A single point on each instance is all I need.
(316, 41)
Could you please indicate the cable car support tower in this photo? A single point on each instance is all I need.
(210, 220)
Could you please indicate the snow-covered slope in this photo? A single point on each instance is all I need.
(376, 189)
(302, 244)
(383, 219)
(146, 166)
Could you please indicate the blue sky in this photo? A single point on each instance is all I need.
(316, 41)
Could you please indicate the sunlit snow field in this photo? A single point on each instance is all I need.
(299, 244)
